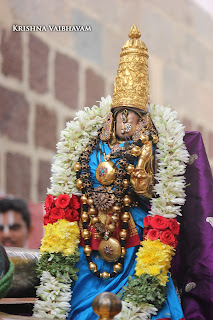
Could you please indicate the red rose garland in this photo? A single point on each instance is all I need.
(159, 227)
(62, 201)
(159, 222)
(62, 207)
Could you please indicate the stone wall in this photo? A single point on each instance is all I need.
(46, 76)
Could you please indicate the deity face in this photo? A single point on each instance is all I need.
(126, 124)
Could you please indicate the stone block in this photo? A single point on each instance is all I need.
(45, 128)
(179, 10)
(112, 49)
(14, 115)
(66, 80)
(94, 87)
(36, 14)
(129, 14)
(158, 32)
(108, 11)
(88, 45)
(180, 90)
(156, 79)
(210, 145)
(188, 88)
(190, 55)
(43, 179)
(202, 24)
(38, 64)
(208, 66)
(172, 86)
(201, 129)
(18, 175)
(12, 51)
(204, 98)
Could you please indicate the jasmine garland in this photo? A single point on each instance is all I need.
(172, 157)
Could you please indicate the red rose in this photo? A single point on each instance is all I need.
(145, 232)
(175, 243)
(47, 219)
(153, 234)
(167, 237)
(49, 202)
(62, 201)
(75, 215)
(159, 222)
(75, 202)
(56, 214)
(71, 215)
(146, 221)
(174, 226)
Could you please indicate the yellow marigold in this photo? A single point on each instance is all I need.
(154, 258)
(61, 236)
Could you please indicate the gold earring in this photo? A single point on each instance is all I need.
(107, 128)
(113, 139)
(138, 131)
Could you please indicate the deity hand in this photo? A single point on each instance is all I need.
(142, 182)
(142, 177)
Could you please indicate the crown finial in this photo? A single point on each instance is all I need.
(134, 32)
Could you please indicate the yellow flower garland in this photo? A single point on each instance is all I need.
(61, 236)
(154, 258)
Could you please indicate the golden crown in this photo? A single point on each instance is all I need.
(131, 88)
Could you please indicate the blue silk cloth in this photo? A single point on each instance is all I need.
(87, 287)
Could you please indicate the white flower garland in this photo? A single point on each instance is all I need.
(172, 157)
(55, 294)
(74, 139)
(130, 312)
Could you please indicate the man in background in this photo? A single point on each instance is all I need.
(15, 223)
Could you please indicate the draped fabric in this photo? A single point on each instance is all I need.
(192, 266)
(87, 287)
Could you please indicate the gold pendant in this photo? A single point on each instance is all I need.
(106, 172)
(110, 250)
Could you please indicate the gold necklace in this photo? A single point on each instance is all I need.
(110, 249)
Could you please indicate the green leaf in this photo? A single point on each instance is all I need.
(144, 289)
(58, 264)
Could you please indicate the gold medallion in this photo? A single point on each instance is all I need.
(110, 250)
(106, 172)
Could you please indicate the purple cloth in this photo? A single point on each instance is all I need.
(193, 262)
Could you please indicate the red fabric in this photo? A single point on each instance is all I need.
(132, 239)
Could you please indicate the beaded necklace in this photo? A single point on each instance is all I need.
(110, 248)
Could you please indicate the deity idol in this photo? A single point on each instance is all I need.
(117, 189)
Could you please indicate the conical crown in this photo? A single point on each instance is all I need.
(131, 88)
